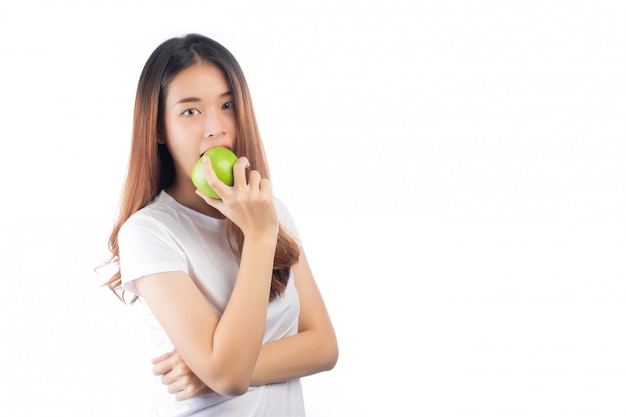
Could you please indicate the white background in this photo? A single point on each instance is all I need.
(456, 170)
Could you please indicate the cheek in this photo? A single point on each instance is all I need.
(173, 132)
(181, 148)
(232, 121)
(177, 137)
(231, 128)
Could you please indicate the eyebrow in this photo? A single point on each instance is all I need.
(196, 99)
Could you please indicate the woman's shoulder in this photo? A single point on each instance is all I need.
(157, 212)
(280, 205)
(285, 217)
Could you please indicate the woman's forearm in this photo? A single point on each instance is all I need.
(294, 356)
(239, 333)
(314, 349)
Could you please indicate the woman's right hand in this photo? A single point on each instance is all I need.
(179, 379)
(249, 203)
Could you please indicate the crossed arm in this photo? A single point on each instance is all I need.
(314, 349)
(225, 354)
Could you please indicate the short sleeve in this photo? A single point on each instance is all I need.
(147, 248)
(285, 218)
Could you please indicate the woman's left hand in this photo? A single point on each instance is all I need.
(180, 380)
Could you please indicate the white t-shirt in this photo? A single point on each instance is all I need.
(167, 236)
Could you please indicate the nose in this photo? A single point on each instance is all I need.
(213, 126)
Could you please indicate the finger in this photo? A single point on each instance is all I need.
(190, 387)
(185, 394)
(163, 357)
(254, 180)
(162, 367)
(167, 363)
(266, 186)
(168, 378)
(175, 387)
(239, 172)
(215, 183)
(213, 202)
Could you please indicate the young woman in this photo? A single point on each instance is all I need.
(234, 313)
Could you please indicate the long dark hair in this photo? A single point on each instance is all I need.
(151, 167)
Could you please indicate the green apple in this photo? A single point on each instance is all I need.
(222, 160)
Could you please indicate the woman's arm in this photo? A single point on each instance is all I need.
(314, 349)
(223, 351)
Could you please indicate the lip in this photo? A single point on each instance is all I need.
(215, 146)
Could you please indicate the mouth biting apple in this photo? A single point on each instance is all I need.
(222, 161)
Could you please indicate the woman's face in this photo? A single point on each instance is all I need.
(199, 114)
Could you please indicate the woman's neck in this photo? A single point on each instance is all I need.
(186, 195)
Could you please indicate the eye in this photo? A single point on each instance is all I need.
(191, 112)
(228, 106)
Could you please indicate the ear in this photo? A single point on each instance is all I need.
(160, 136)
